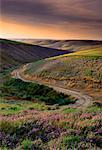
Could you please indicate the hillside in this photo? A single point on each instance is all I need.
(38, 117)
(16, 53)
(79, 70)
(97, 52)
(73, 45)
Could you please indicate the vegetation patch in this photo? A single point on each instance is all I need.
(11, 106)
(70, 110)
(88, 72)
(96, 107)
(70, 141)
(32, 129)
(31, 91)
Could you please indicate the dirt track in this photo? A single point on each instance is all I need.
(83, 100)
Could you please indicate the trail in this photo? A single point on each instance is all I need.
(83, 99)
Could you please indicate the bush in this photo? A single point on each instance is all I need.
(7, 126)
(88, 72)
(21, 89)
(70, 141)
(27, 144)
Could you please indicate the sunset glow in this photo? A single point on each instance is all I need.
(48, 19)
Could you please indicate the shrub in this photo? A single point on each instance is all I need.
(70, 141)
(88, 72)
(27, 144)
(7, 126)
(21, 89)
(70, 110)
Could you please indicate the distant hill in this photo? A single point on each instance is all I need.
(14, 53)
(73, 45)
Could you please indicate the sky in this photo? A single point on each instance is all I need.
(51, 19)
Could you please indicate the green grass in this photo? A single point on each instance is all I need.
(34, 66)
(69, 141)
(91, 52)
(70, 110)
(94, 109)
(9, 107)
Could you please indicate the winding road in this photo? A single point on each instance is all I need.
(83, 99)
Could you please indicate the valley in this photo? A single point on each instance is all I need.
(51, 95)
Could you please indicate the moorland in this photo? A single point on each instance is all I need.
(51, 95)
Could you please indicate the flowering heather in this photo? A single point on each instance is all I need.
(86, 116)
(51, 129)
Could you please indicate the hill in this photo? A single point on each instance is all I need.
(16, 53)
(89, 52)
(35, 116)
(73, 45)
(80, 70)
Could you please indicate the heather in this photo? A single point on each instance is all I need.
(30, 123)
(61, 129)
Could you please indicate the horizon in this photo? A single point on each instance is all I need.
(14, 39)
(49, 19)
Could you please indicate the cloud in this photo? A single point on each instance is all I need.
(46, 10)
(84, 14)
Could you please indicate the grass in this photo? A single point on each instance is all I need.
(9, 107)
(94, 109)
(70, 110)
(4, 41)
(97, 52)
(92, 52)
(69, 141)
(34, 66)
(88, 72)
(74, 71)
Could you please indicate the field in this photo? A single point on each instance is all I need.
(88, 52)
(53, 103)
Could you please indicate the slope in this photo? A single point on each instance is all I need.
(80, 70)
(16, 53)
